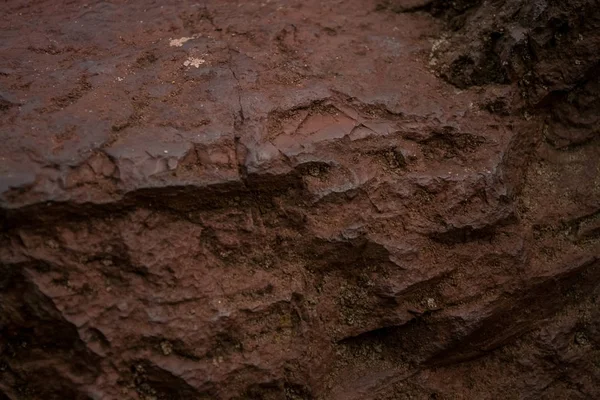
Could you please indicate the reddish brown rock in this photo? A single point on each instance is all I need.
(298, 200)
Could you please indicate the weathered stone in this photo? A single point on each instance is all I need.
(281, 200)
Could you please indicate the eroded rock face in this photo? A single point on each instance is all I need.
(547, 48)
(287, 200)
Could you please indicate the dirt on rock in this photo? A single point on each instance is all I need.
(299, 200)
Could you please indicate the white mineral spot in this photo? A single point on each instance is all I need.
(194, 62)
(431, 303)
(166, 348)
(179, 42)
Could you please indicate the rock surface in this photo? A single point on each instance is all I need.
(299, 200)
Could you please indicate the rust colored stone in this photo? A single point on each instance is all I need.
(299, 200)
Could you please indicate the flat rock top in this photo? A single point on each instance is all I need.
(104, 98)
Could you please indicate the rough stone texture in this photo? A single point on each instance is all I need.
(288, 200)
(548, 48)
